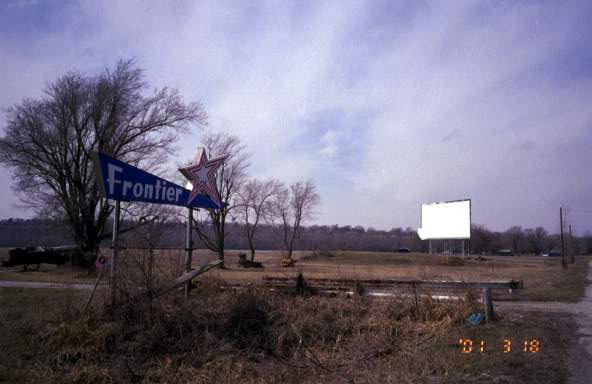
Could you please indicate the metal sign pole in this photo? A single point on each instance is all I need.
(188, 249)
(114, 261)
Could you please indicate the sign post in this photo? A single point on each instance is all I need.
(188, 249)
(114, 258)
(201, 175)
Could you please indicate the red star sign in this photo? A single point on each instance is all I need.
(201, 175)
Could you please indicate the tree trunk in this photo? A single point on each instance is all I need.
(90, 256)
(221, 251)
(87, 242)
(252, 246)
(88, 248)
(220, 236)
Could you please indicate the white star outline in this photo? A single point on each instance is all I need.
(202, 177)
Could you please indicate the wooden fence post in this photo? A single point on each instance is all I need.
(488, 305)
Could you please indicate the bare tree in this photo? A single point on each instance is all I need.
(49, 142)
(536, 239)
(290, 207)
(480, 239)
(229, 180)
(587, 243)
(516, 235)
(254, 200)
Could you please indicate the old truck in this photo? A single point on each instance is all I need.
(39, 255)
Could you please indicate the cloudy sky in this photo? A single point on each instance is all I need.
(384, 104)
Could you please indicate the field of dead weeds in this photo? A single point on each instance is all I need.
(543, 278)
(255, 336)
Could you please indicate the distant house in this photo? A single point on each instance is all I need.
(504, 252)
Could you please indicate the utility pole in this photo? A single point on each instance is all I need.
(571, 248)
(563, 261)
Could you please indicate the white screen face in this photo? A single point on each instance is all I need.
(445, 220)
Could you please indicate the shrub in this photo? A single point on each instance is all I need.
(452, 261)
(247, 326)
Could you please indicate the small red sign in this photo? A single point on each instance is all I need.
(102, 262)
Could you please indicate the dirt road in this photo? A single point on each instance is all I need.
(35, 284)
(580, 354)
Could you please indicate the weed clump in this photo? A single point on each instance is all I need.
(247, 326)
(265, 336)
(451, 261)
(302, 287)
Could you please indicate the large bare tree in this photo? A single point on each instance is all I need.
(516, 235)
(49, 142)
(254, 200)
(481, 239)
(290, 207)
(536, 239)
(230, 177)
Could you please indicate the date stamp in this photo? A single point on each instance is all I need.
(469, 346)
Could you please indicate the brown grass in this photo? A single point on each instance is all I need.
(258, 336)
(450, 261)
(543, 277)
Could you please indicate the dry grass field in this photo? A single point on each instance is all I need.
(258, 336)
(543, 277)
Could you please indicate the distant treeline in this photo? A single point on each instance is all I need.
(44, 232)
(25, 232)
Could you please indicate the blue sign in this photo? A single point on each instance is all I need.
(120, 181)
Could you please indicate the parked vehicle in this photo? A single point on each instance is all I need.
(38, 255)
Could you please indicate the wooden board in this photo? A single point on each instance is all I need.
(189, 276)
(386, 283)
